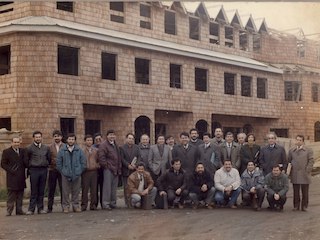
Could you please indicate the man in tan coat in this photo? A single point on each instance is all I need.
(140, 184)
(301, 160)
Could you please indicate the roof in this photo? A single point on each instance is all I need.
(48, 24)
(296, 68)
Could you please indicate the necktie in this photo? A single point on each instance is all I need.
(17, 151)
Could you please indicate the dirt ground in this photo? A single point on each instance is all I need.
(201, 224)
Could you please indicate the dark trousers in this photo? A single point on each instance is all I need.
(15, 198)
(249, 198)
(89, 182)
(125, 194)
(38, 178)
(99, 187)
(296, 195)
(154, 178)
(53, 177)
(172, 196)
(274, 203)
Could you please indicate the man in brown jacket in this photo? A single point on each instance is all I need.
(301, 160)
(140, 184)
(89, 178)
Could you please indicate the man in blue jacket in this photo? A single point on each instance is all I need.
(71, 162)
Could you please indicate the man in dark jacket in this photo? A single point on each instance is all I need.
(173, 183)
(71, 162)
(272, 154)
(38, 162)
(110, 160)
(144, 147)
(187, 153)
(201, 187)
(252, 185)
(14, 161)
(194, 138)
(277, 186)
(130, 156)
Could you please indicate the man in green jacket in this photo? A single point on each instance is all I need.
(277, 186)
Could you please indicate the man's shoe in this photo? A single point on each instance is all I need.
(295, 209)
(233, 207)
(208, 206)
(93, 208)
(8, 214)
(77, 210)
(304, 209)
(49, 210)
(107, 208)
(180, 206)
(29, 213)
(20, 213)
(258, 209)
(66, 210)
(42, 212)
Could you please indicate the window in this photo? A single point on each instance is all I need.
(318, 55)
(201, 79)
(170, 22)
(108, 62)
(214, 33)
(315, 92)
(292, 91)
(228, 31)
(68, 60)
(175, 76)
(5, 60)
(194, 32)
(145, 13)
(5, 9)
(65, 6)
(92, 126)
(301, 48)
(261, 88)
(142, 70)
(229, 83)
(280, 132)
(5, 123)
(256, 42)
(246, 86)
(66, 127)
(243, 40)
(117, 12)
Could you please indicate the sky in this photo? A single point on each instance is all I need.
(278, 15)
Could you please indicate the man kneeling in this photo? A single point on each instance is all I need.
(201, 187)
(252, 185)
(140, 184)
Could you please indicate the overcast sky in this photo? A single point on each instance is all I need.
(278, 15)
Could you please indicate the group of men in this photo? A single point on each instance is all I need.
(204, 173)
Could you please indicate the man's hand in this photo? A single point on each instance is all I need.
(162, 193)
(276, 196)
(204, 188)
(228, 189)
(178, 191)
(253, 190)
(131, 167)
(145, 192)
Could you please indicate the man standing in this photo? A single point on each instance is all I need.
(54, 174)
(218, 137)
(14, 162)
(140, 184)
(201, 187)
(71, 162)
(159, 158)
(187, 153)
(130, 156)
(89, 177)
(252, 185)
(173, 183)
(301, 160)
(241, 138)
(170, 141)
(194, 138)
(97, 141)
(271, 155)
(209, 155)
(277, 187)
(230, 150)
(227, 183)
(110, 161)
(144, 147)
(38, 162)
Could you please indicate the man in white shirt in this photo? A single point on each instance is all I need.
(227, 184)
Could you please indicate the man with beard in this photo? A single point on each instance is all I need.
(227, 183)
(54, 174)
(38, 162)
(194, 138)
(218, 137)
(71, 163)
(173, 183)
(201, 187)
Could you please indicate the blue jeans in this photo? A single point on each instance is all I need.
(223, 199)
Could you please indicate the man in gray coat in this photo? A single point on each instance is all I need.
(230, 150)
(159, 158)
(301, 160)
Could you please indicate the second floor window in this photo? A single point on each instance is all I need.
(175, 76)
(117, 12)
(145, 14)
(246, 86)
(65, 6)
(68, 60)
(108, 62)
(315, 92)
(201, 82)
(5, 60)
(292, 91)
(229, 83)
(142, 70)
(261, 88)
(194, 28)
(170, 22)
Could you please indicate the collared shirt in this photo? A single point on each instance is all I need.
(141, 183)
(70, 148)
(186, 146)
(16, 150)
(206, 145)
(37, 144)
(57, 146)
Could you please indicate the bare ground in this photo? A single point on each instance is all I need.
(173, 224)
